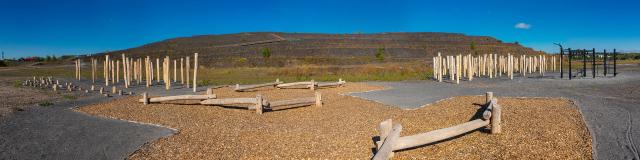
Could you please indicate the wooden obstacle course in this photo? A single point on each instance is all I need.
(390, 139)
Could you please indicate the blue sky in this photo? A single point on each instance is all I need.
(79, 27)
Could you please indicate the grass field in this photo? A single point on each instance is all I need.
(248, 75)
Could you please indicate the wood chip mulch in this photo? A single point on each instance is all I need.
(532, 128)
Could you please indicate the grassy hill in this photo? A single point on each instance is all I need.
(293, 49)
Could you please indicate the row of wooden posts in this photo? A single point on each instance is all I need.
(136, 70)
(489, 65)
(48, 82)
(390, 139)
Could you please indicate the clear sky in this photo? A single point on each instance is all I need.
(87, 26)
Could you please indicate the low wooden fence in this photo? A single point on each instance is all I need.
(391, 141)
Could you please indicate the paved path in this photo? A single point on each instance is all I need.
(59, 132)
(610, 106)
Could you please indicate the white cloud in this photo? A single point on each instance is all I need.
(522, 26)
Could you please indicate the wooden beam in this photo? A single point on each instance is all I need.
(179, 97)
(298, 101)
(248, 87)
(438, 135)
(228, 101)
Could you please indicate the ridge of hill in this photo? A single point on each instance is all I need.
(245, 49)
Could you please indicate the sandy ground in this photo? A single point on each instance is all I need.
(345, 128)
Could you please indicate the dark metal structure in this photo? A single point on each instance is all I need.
(597, 60)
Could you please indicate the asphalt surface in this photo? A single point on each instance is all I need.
(610, 106)
(59, 132)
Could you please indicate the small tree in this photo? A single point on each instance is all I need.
(266, 53)
(380, 54)
(472, 46)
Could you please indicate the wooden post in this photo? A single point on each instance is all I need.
(386, 150)
(145, 98)
(175, 70)
(195, 71)
(101, 90)
(113, 89)
(312, 86)
(188, 77)
(182, 71)
(258, 103)
(105, 67)
(318, 99)
(158, 70)
(113, 72)
(209, 91)
(117, 80)
(496, 112)
(167, 79)
(488, 97)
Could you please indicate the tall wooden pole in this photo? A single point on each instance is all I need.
(158, 69)
(106, 70)
(175, 62)
(195, 71)
(182, 71)
(188, 77)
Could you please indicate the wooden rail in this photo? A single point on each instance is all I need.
(248, 87)
(390, 139)
(146, 100)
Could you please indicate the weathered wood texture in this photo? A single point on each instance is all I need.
(389, 143)
(180, 97)
(249, 87)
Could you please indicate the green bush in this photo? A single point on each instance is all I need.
(45, 104)
(266, 53)
(380, 54)
(17, 83)
(71, 97)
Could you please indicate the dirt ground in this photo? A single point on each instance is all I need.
(345, 126)
(14, 97)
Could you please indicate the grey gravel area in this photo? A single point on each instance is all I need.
(610, 106)
(59, 132)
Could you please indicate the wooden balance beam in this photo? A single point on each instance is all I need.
(310, 85)
(146, 100)
(331, 84)
(317, 100)
(258, 102)
(390, 139)
(248, 87)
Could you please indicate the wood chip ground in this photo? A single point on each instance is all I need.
(533, 128)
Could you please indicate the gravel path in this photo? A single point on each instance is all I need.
(609, 105)
(60, 132)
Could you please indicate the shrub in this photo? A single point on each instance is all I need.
(380, 54)
(266, 53)
(17, 83)
(71, 97)
(45, 104)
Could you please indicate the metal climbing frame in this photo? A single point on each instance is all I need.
(591, 60)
